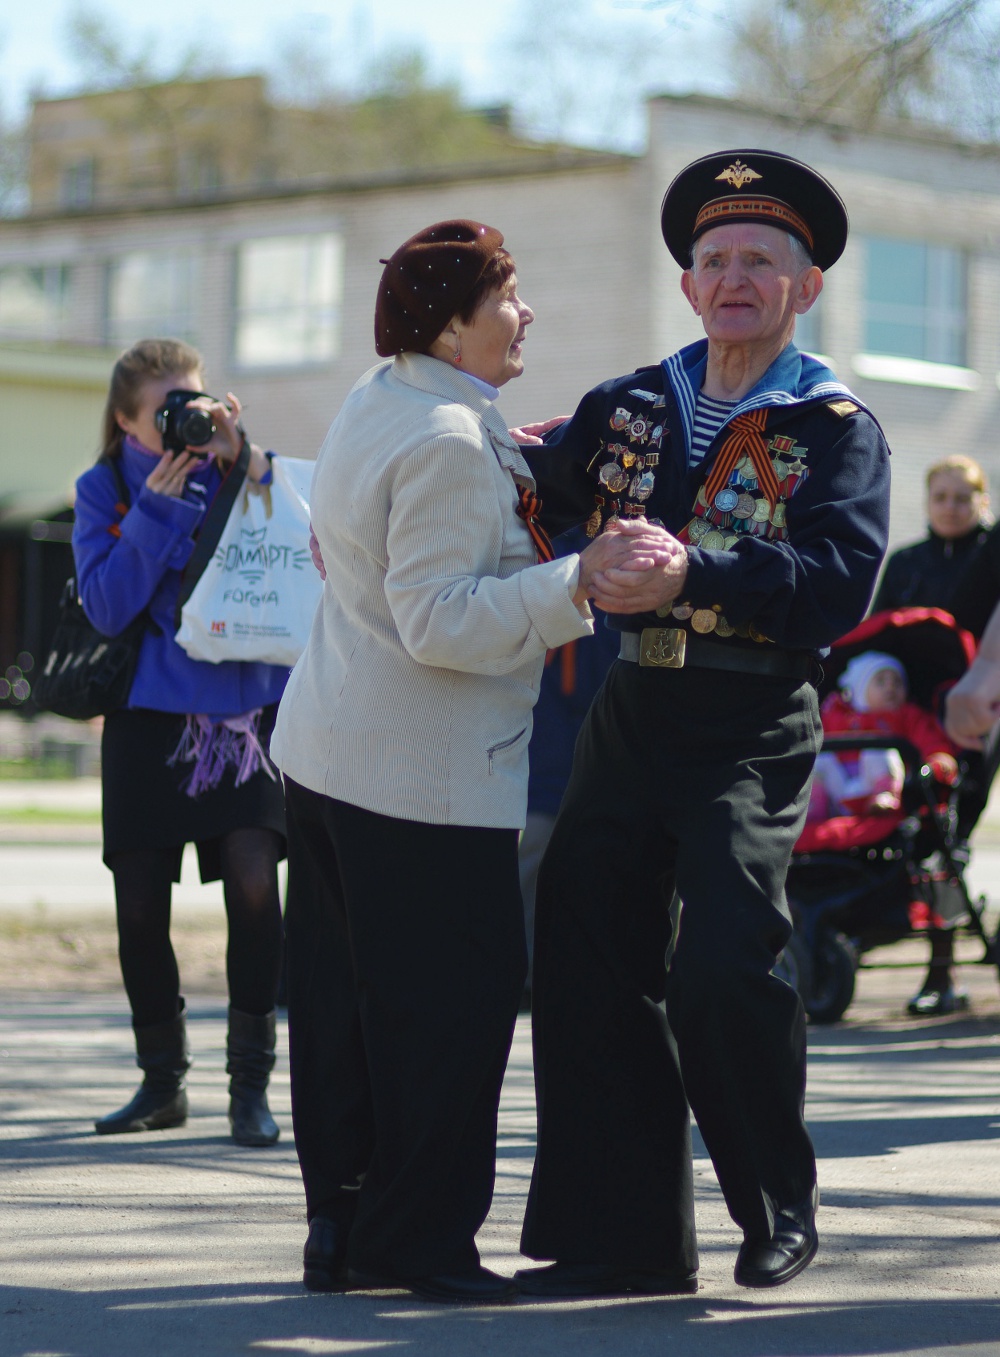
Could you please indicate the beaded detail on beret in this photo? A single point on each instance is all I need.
(426, 281)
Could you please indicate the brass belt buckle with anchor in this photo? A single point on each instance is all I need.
(662, 647)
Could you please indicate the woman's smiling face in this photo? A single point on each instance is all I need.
(490, 344)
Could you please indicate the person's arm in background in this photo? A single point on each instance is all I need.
(973, 705)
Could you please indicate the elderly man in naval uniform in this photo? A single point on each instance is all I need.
(691, 776)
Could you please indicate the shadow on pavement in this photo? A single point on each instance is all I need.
(220, 1320)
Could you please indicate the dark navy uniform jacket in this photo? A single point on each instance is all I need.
(805, 574)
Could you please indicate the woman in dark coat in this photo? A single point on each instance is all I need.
(927, 575)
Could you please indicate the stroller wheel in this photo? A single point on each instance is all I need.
(831, 982)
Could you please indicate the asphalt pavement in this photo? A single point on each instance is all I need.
(180, 1242)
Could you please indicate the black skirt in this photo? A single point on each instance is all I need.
(144, 804)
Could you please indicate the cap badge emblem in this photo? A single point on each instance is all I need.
(737, 174)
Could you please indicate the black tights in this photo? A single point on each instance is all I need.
(143, 881)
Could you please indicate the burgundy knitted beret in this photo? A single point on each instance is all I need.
(427, 280)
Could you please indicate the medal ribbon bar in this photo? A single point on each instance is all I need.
(746, 439)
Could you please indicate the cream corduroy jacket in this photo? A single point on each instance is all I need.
(413, 697)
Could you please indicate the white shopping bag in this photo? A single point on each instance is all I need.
(256, 597)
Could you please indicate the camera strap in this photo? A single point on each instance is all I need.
(212, 525)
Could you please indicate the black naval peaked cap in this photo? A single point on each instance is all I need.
(752, 185)
(427, 279)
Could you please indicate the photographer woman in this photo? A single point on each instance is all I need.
(184, 760)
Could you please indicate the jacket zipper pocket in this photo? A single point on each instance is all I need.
(504, 744)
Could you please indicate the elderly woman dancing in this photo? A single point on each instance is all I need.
(403, 738)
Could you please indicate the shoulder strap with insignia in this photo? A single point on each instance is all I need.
(843, 408)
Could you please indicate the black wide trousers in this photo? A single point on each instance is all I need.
(695, 781)
(406, 963)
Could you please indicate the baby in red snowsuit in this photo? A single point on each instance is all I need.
(873, 697)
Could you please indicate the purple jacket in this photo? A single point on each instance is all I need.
(120, 574)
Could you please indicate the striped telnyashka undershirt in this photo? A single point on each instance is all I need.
(709, 417)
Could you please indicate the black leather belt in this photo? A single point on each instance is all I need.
(676, 648)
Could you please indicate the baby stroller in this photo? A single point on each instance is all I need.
(859, 882)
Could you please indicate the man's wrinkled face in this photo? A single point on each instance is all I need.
(748, 283)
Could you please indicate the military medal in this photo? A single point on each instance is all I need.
(724, 628)
(642, 486)
(638, 429)
(778, 516)
(682, 611)
(713, 541)
(745, 506)
(594, 523)
(621, 419)
(761, 511)
(697, 530)
(780, 468)
(613, 476)
(756, 634)
(704, 620)
(726, 500)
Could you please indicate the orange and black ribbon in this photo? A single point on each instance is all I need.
(746, 439)
(529, 507)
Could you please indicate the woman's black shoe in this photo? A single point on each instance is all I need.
(160, 1101)
(481, 1287)
(578, 1280)
(249, 1061)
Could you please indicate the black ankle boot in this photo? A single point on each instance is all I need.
(160, 1100)
(250, 1059)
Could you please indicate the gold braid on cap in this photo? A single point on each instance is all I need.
(770, 210)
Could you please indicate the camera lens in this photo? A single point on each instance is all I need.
(194, 427)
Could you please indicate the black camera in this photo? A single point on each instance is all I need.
(184, 425)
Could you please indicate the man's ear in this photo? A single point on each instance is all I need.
(690, 289)
(810, 286)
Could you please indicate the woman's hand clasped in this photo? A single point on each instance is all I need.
(633, 567)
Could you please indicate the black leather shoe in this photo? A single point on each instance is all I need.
(570, 1280)
(481, 1287)
(792, 1247)
(149, 1110)
(324, 1257)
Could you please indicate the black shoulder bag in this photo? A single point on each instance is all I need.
(86, 673)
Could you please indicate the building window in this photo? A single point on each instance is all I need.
(77, 184)
(152, 293)
(915, 301)
(34, 300)
(288, 300)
